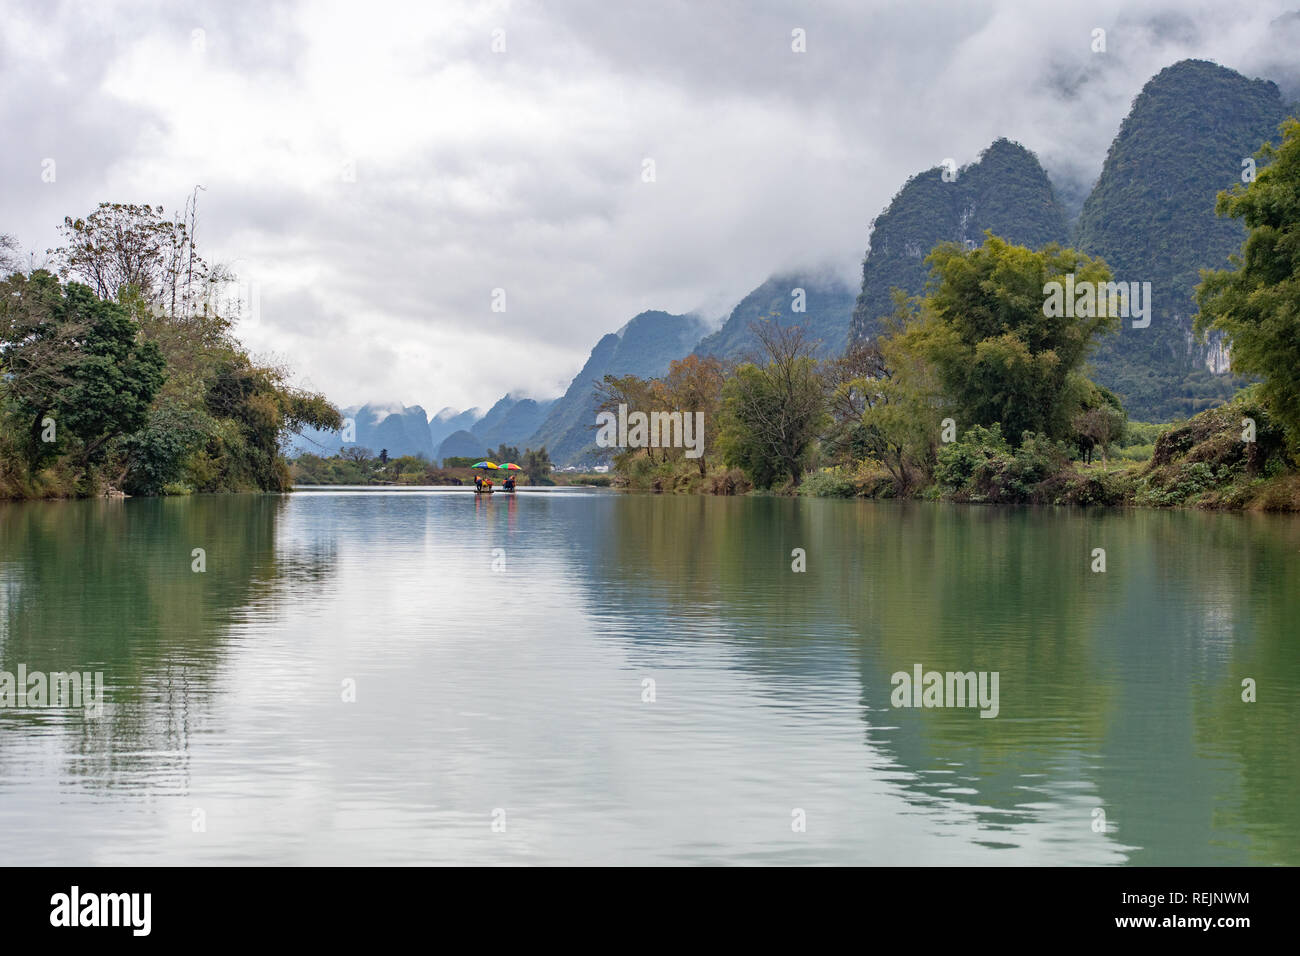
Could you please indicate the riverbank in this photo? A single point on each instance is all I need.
(1231, 458)
(413, 470)
(60, 482)
(48, 483)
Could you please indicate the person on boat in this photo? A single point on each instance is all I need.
(478, 482)
(510, 483)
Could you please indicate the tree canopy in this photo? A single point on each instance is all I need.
(998, 355)
(135, 380)
(1256, 304)
(772, 414)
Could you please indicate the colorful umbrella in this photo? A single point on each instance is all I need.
(486, 465)
(511, 466)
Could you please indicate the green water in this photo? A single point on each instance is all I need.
(510, 686)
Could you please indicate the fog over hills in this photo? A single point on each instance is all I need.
(768, 161)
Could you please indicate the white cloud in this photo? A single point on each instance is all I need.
(521, 170)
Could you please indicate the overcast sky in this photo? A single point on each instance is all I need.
(522, 170)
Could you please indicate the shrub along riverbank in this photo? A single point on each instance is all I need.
(1216, 460)
(1228, 458)
(361, 467)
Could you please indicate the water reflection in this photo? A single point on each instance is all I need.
(500, 649)
(110, 586)
(1120, 691)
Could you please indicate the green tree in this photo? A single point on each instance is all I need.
(1256, 304)
(1000, 354)
(255, 408)
(38, 350)
(155, 456)
(138, 375)
(537, 466)
(904, 401)
(772, 414)
(114, 376)
(76, 361)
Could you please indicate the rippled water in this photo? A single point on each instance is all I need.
(518, 694)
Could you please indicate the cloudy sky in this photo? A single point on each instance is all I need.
(377, 169)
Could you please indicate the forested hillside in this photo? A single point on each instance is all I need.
(1006, 191)
(1190, 133)
(827, 310)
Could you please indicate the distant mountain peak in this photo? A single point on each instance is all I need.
(644, 346)
(1151, 217)
(1006, 190)
(401, 429)
(827, 309)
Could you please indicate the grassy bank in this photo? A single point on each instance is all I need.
(59, 481)
(640, 472)
(413, 470)
(1214, 461)
(1230, 458)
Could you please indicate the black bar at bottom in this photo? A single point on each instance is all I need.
(220, 905)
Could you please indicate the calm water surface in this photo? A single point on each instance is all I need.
(520, 691)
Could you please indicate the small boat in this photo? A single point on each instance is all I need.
(482, 491)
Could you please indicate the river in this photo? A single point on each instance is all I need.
(423, 676)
